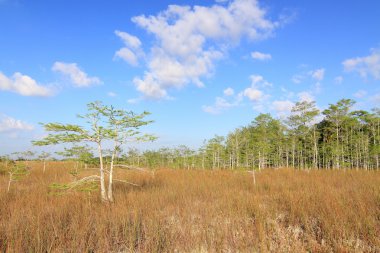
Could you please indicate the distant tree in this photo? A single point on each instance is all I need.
(336, 115)
(81, 154)
(44, 156)
(25, 156)
(215, 151)
(343, 139)
(303, 128)
(16, 172)
(5, 159)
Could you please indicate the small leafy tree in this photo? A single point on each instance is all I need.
(80, 154)
(16, 172)
(43, 157)
(28, 156)
(5, 160)
(104, 123)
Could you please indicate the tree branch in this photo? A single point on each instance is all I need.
(134, 168)
(126, 182)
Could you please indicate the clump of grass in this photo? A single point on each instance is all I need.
(182, 210)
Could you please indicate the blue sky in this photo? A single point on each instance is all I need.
(200, 67)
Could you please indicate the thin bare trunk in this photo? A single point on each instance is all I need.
(259, 160)
(102, 179)
(9, 182)
(110, 178)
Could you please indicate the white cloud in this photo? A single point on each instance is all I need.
(318, 74)
(306, 96)
(127, 55)
(9, 124)
(220, 105)
(128, 39)
(261, 56)
(253, 94)
(133, 100)
(229, 92)
(188, 41)
(313, 75)
(282, 105)
(210, 109)
(287, 93)
(224, 103)
(297, 79)
(75, 74)
(150, 87)
(111, 94)
(360, 93)
(23, 85)
(338, 79)
(132, 50)
(365, 66)
(259, 81)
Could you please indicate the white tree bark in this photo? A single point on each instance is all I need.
(102, 179)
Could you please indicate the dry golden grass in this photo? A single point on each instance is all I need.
(195, 211)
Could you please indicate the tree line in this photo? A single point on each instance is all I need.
(343, 139)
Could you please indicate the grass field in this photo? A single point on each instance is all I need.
(195, 211)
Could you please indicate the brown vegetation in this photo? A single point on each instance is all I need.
(195, 211)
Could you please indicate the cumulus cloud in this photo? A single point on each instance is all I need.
(23, 85)
(282, 107)
(78, 77)
(133, 100)
(314, 75)
(318, 74)
(365, 66)
(259, 81)
(188, 41)
(306, 96)
(132, 51)
(261, 56)
(127, 55)
(150, 87)
(297, 79)
(360, 94)
(253, 93)
(224, 103)
(228, 92)
(128, 39)
(111, 94)
(9, 124)
(220, 105)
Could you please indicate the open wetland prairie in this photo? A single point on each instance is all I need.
(286, 210)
